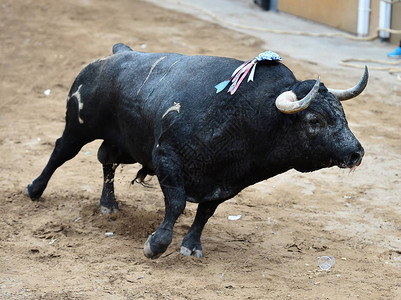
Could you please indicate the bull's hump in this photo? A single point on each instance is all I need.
(120, 47)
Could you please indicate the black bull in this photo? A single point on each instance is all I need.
(162, 111)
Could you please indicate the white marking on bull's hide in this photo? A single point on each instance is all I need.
(150, 72)
(77, 95)
(104, 58)
(175, 107)
(168, 70)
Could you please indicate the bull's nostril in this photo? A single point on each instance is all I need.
(356, 158)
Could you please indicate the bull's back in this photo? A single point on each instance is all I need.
(121, 99)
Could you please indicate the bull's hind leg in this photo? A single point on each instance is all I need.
(110, 156)
(191, 245)
(65, 149)
(108, 202)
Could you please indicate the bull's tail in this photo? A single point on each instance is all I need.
(120, 47)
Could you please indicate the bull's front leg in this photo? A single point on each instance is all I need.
(171, 182)
(191, 245)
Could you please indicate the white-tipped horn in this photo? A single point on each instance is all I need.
(288, 102)
(354, 91)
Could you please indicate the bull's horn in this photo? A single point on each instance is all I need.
(288, 102)
(352, 92)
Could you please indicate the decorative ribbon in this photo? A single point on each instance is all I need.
(240, 73)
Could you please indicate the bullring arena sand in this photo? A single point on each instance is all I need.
(56, 248)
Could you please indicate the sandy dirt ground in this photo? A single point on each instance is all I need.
(56, 248)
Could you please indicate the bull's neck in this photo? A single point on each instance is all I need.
(271, 153)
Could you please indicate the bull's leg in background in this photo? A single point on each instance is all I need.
(108, 203)
(110, 156)
(65, 149)
(191, 245)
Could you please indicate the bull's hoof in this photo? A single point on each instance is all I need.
(28, 192)
(195, 252)
(108, 211)
(148, 251)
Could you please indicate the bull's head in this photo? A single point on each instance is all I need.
(321, 135)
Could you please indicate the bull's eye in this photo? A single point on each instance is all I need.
(314, 121)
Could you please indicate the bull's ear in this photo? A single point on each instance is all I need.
(288, 102)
